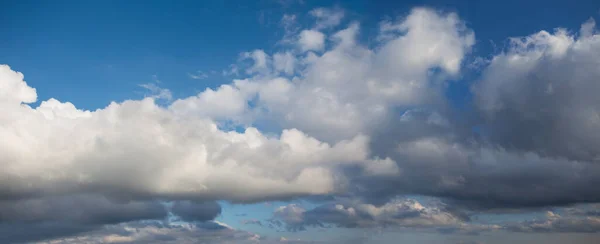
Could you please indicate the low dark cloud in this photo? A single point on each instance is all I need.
(41, 218)
(192, 211)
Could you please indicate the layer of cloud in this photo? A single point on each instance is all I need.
(157, 232)
(43, 218)
(396, 214)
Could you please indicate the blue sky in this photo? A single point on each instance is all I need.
(104, 49)
(464, 139)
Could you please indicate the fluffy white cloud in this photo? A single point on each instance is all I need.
(311, 40)
(284, 62)
(350, 89)
(138, 149)
(13, 88)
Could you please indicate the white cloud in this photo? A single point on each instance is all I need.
(311, 40)
(260, 59)
(350, 89)
(137, 148)
(284, 62)
(326, 17)
(14, 88)
(199, 75)
(157, 92)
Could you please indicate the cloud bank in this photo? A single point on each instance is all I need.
(325, 116)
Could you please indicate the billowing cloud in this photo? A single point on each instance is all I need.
(539, 95)
(137, 149)
(328, 117)
(311, 40)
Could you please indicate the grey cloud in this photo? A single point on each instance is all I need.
(192, 211)
(556, 223)
(397, 213)
(540, 95)
(156, 232)
(251, 222)
(49, 217)
(41, 218)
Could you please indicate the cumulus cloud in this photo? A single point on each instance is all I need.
(539, 94)
(138, 149)
(311, 40)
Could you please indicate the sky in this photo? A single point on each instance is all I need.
(299, 121)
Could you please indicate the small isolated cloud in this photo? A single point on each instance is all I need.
(233, 70)
(251, 222)
(199, 75)
(157, 92)
(327, 17)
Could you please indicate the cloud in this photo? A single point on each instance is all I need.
(138, 150)
(260, 59)
(48, 217)
(398, 213)
(311, 40)
(156, 232)
(538, 95)
(350, 89)
(330, 117)
(14, 88)
(284, 62)
(191, 211)
(157, 92)
(198, 75)
(554, 223)
(327, 17)
(251, 222)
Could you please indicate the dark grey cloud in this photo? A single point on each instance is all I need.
(193, 211)
(251, 222)
(42, 218)
(541, 95)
